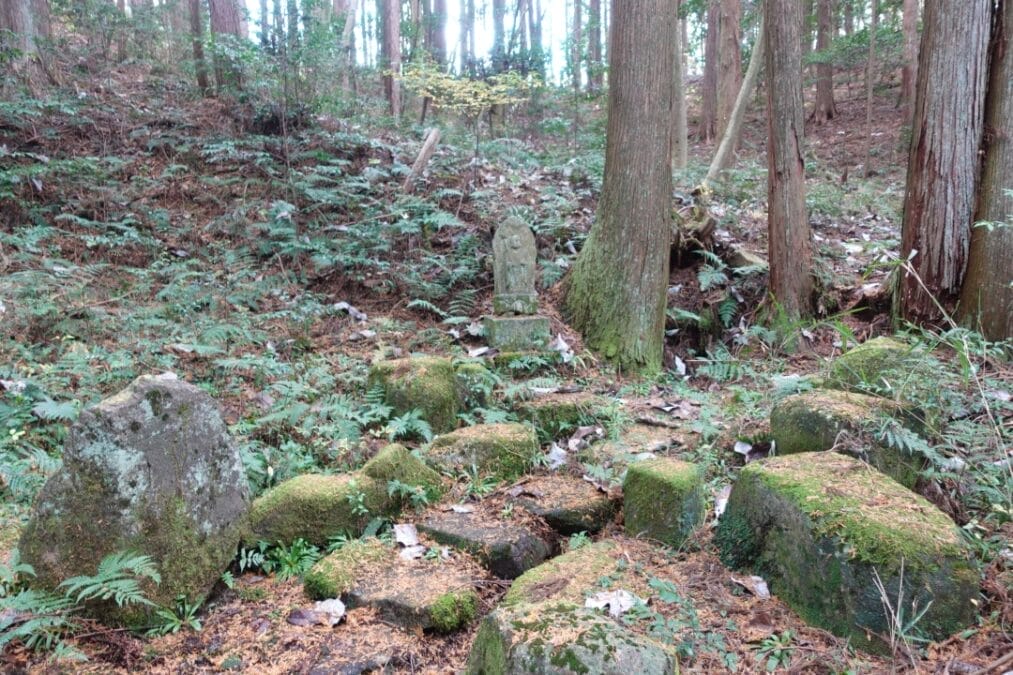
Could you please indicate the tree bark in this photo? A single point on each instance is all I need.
(789, 236)
(616, 293)
(344, 10)
(16, 17)
(869, 86)
(825, 108)
(909, 72)
(197, 40)
(729, 61)
(680, 134)
(535, 30)
(577, 47)
(709, 95)
(943, 165)
(226, 19)
(595, 67)
(986, 302)
(722, 158)
(440, 32)
(392, 55)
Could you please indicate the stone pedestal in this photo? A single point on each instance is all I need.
(517, 333)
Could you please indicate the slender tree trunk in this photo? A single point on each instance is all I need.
(723, 157)
(680, 135)
(909, 72)
(616, 293)
(535, 29)
(278, 32)
(595, 67)
(121, 39)
(849, 18)
(870, 72)
(987, 298)
(344, 11)
(729, 60)
(265, 24)
(709, 110)
(825, 108)
(293, 28)
(944, 163)
(472, 52)
(392, 55)
(789, 236)
(440, 32)
(197, 40)
(499, 36)
(578, 43)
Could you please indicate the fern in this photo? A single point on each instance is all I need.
(711, 277)
(409, 425)
(118, 578)
(426, 306)
(51, 410)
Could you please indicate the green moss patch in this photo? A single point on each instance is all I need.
(843, 421)
(558, 415)
(663, 499)
(424, 383)
(565, 578)
(501, 450)
(335, 575)
(821, 527)
(891, 368)
(396, 462)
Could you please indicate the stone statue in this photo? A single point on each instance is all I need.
(514, 255)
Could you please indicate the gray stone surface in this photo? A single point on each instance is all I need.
(567, 504)
(514, 254)
(506, 549)
(520, 333)
(152, 470)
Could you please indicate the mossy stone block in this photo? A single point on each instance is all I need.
(565, 578)
(335, 574)
(844, 421)
(890, 368)
(397, 463)
(504, 548)
(567, 504)
(475, 381)
(663, 499)
(517, 332)
(566, 639)
(557, 415)
(823, 527)
(317, 507)
(424, 383)
(504, 451)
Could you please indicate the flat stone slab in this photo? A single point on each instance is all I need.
(823, 527)
(415, 594)
(567, 504)
(826, 419)
(517, 332)
(557, 415)
(663, 499)
(889, 368)
(425, 383)
(504, 451)
(637, 440)
(566, 639)
(505, 548)
(565, 578)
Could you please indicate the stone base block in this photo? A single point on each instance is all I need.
(517, 332)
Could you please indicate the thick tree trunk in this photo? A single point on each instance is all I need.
(729, 61)
(680, 134)
(825, 108)
(226, 20)
(16, 17)
(392, 55)
(709, 95)
(197, 40)
(616, 293)
(987, 298)
(909, 72)
(789, 237)
(595, 67)
(344, 11)
(723, 156)
(293, 27)
(944, 163)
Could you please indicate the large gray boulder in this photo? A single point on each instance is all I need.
(150, 470)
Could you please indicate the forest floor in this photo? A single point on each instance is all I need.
(143, 230)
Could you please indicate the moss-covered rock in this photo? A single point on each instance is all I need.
(524, 362)
(843, 421)
(822, 527)
(415, 594)
(150, 470)
(566, 578)
(501, 450)
(632, 442)
(557, 415)
(567, 504)
(317, 507)
(565, 639)
(425, 383)
(476, 381)
(398, 463)
(887, 367)
(517, 333)
(663, 499)
(504, 548)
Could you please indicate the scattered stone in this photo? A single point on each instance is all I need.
(563, 638)
(414, 594)
(635, 440)
(506, 549)
(754, 584)
(317, 507)
(425, 383)
(823, 528)
(842, 421)
(663, 499)
(501, 450)
(567, 504)
(557, 415)
(514, 255)
(398, 463)
(565, 578)
(517, 333)
(150, 470)
(888, 367)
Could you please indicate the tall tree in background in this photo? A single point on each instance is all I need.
(616, 293)
(499, 36)
(265, 23)
(987, 298)
(943, 164)
(789, 237)
(26, 22)
(439, 36)
(709, 95)
(825, 108)
(577, 46)
(680, 135)
(391, 64)
(870, 72)
(535, 30)
(729, 60)
(226, 21)
(595, 66)
(197, 43)
(909, 71)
